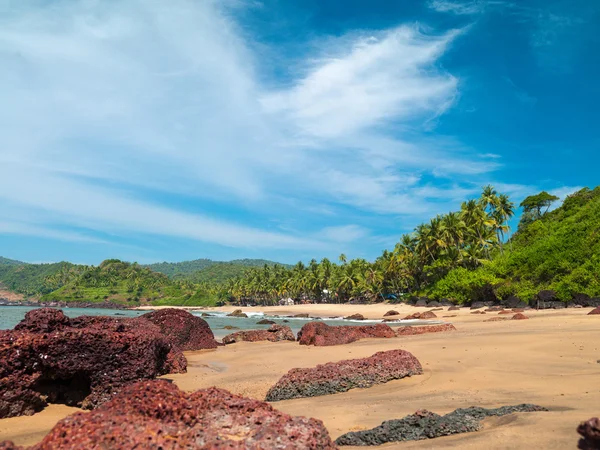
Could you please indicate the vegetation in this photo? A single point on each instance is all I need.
(202, 270)
(36, 279)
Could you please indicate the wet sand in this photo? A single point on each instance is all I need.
(549, 360)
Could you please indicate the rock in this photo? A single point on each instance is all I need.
(454, 308)
(519, 316)
(451, 315)
(342, 376)
(355, 317)
(478, 312)
(412, 330)
(265, 322)
(301, 316)
(285, 321)
(477, 305)
(391, 313)
(321, 334)
(506, 311)
(427, 425)
(183, 329)
(237, 313)
(207, 315)
(81, 362)
(547, 296)
(445, 302)
(594, 311)
(230, 327)
(437, 309)
(585, 300)
(421, 316)
(157, 415)
(518, 310)
(494, 309)
(513, 302)
(274, 334)
(590, 434)
(496, 319)
(421, 302)
(434, 304)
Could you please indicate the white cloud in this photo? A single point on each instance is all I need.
(112, 109)
(460, 8)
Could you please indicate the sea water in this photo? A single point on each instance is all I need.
(217, 320)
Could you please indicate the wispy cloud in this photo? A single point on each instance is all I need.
(460, 8)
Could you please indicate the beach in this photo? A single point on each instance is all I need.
(549, 360)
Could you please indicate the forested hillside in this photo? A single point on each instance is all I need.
(37, 279)
(202, 270)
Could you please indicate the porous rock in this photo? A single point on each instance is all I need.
(156, 414)
(594, 311)
(275, 333)
(412, 330)
(342, 376)
(519, 316)
(237, 313)
(321, 334)
(421, 316)
(427, 425)
(590, 434)
(80, 362)
(454, 308)
(391, 313)
(355, 317)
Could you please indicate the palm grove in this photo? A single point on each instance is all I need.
(460, 239)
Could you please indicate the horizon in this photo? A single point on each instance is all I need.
(281, 131)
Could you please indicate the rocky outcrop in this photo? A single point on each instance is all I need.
(183, 329)
(513, 302)
(355, 317)
(237, 313)
(274, 334)
(421, 316)
(519, 316)
(321, 334)
(594, 311)
(590, 434)
(342, 376)
(49, 358)
(454, 308)
(266, 322)
(156, 414)
(427, 425)
(412, 330)
(391, 313)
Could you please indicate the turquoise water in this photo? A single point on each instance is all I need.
(12, 315)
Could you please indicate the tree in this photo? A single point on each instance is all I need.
(533, 205)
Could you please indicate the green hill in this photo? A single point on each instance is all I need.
(206, 270)
(10, 262)
(36, 279)
(559, 251)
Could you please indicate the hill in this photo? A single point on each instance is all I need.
(206, 270)
(126, 283)
(559, 251)
(36, 279)
(10, 262)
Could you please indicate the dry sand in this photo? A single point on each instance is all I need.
(549, 360)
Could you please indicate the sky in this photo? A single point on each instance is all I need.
(151, 131)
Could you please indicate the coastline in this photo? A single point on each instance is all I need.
(549, 360)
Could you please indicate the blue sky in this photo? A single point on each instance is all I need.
(150, 130)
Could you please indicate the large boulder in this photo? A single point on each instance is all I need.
(183, 329)
(266, 322)
(590, 434)
(412, 330)
(342, 376)
(355, 317)
(157, 415)
(391, 313)
(274, 334)
(421, 316)
(237, 313)
(594, 312)
(80, 362)
(421, 302)
(513, 302)
(427, 425)
(321, 334)
(519, 316)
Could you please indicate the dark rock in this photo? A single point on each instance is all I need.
(285, 321)
(506, 311)
(590, 434)
(454, 308)
(230, 327)
(437, 309)
(301, 316)
(519, 316)
(513, 302)
(434, 304)
(451, 315)
(81, 362)
(494, 309)
(445, 302)
(342, 376)
(496, 319)
(237, 313)
(265, 322)
(547, 296)
(421, 302)
(427, 425)
(207, 315)
(355, 317)
(478, 312)
(555, 304)
(157, 415)
(321, 334)
(183, 329)
(391, 313)
(412, 330)
(478, 305)
(274, 334)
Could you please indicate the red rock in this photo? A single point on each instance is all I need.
(590, 433)
(183, 329)
(355, 317)
(519, 316)
(454, 308)
(451, 315)
(157, 415)
(506, 311)
(421, 316)
(320, 334)
(478, 312)
(342, 376)
(496, 319)
(594, 311)
(274, 334)
(82, 361)
(409, 331)
(391, 313)
(518, 310)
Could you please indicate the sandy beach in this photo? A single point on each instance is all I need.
(549, 360)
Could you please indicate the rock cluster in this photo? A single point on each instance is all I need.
(273, 334)
(237, 313)
(409, 331)
(421, 315)
(427, 425)
(321, 334)
(342, 376)
(590, 434)
(156, 414)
